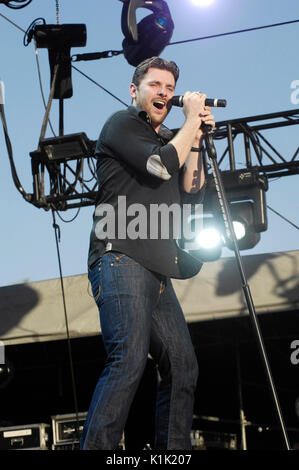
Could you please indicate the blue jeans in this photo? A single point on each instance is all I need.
(140, 314)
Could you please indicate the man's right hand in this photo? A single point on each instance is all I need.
(194, 105)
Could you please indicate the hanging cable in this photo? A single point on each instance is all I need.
(15, 177)
(57, 239)
(100, 86)
(233, 32)
(14, 24)
(27, 39)
(284, 218)
(41, 87)
(72, 219)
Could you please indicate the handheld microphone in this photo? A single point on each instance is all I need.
(213, 102)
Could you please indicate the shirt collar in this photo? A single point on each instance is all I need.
(163, 131)
(136, 111)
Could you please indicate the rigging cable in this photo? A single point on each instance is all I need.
(233, 32)
(284, 218)
(100, 86)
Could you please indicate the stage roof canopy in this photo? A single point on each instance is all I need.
(33, 312)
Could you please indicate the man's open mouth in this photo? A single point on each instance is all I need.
(159, 104)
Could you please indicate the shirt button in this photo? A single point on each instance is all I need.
(176, 260)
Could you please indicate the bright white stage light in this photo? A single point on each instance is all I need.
(239, 229)
(209, 238)
(202, 3)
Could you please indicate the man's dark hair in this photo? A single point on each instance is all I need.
(156, 63)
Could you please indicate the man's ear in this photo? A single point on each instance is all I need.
(133, 90)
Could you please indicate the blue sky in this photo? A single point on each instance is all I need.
(254, 71)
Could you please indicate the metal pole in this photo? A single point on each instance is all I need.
(246, 290)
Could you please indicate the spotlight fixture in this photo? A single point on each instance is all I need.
(245, 190)
(63, 158)
(208, 241)
(242, 214)
(59, 39)
(239, 229)
(151, 35)
(66, 147)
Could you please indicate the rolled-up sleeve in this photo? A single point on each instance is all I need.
(165, 164)
(132, 140)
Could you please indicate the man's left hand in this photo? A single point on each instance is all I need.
(208, 119)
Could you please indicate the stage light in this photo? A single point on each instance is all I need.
(239, 229)
(208, 238)
(202, 3)
(151, 35)
(208, 242)
(63, 157)
(207, 254)
(245, 192)
(66, 147)
(59, 39)
(242, 215)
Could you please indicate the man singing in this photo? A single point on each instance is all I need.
(142, 163)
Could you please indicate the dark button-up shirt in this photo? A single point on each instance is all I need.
(138, 172)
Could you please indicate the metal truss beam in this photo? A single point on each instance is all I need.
(71, 182)
(256, 149)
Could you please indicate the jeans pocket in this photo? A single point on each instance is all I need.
(97, 295)
(95, 280)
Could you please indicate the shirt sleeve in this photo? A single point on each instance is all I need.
(132, 140)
